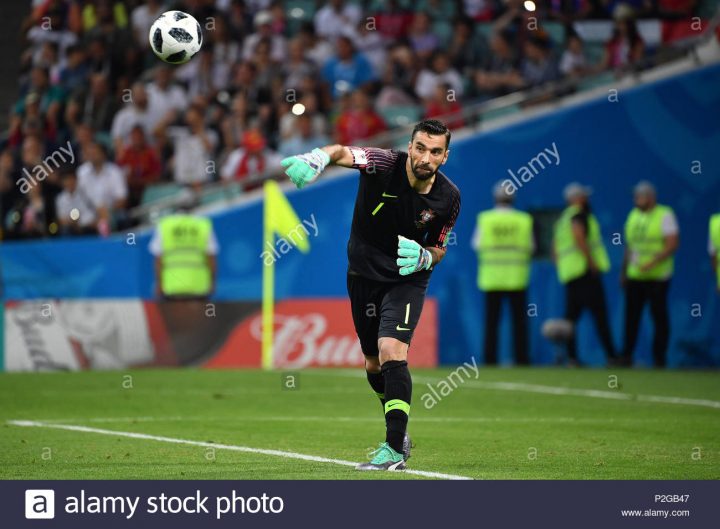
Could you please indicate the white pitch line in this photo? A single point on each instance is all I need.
(557, 390)
(236, 448)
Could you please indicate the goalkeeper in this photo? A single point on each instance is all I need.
(404, 211)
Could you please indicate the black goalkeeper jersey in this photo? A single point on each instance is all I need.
(386, 206)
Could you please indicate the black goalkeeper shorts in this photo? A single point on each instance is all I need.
(384, 310)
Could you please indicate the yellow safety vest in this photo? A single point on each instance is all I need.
(645, 239)
(571, 262)
(715, 240)
(505, 249)
(185, 270)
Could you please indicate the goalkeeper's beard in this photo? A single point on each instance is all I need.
(425, 174)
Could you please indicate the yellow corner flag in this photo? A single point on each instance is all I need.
(279, 218)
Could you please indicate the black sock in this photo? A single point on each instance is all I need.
(398, 390)
(377, 383)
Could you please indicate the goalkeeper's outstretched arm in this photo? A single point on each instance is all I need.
(304, 168)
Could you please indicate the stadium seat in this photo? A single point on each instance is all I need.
(596, 80)
(218, 193)
(485, 29)
(556, 31)
(500, 112)
(444, 31)
(298, 11)
(401, 115)
(158, 192)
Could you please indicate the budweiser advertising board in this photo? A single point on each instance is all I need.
(317, 333)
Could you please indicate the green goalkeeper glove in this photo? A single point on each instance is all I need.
(412, 257)
(304, 168)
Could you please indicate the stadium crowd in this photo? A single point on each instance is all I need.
(99, 118)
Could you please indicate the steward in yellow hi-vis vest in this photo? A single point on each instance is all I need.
(505, 249)
(185, 249)
(581, 259)
(571, 262)
(714, 246)
(504, 244)
(651, 240)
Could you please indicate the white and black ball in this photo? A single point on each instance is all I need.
(175, 37)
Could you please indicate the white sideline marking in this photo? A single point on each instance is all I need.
(553, 390)
(263, 451)
(323, 418)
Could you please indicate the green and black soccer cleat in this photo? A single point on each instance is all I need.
(384, 458)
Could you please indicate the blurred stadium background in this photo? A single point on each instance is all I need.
(625, 90)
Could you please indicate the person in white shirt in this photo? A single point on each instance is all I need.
(263, 29)
(142, 18)
(102, 181)
(194, 149)
(336, 17)
(135, 112)
(75, 211)
(165, 99)
(441, 72)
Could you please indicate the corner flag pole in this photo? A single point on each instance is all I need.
(280, 218)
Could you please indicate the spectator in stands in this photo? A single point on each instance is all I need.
(99, 60)
(204, 75)
(76, 71)
(267, 69)
(567, 11)
(443, 104)
(439, 10)
(104, 184)
(75, 211)
(31, 121)
(32, 155)
(134, 113)
(358, 121)
(288, 121)
(304, 138)
(625, 48)
(226, 49)
(251, 161)
(298, 66)
(83, 137)
(573, 62)
(440, 72)
(466, 49)
(393, 21)
(165, 99)
(479, 10)
(141, 164)
(423, 40)
(95, 105)
(633, 8)
(398, 79)
(142, 17)
(347, 70)
(317, 49)
(50, 26)
(236, 122)
(334, 17)
(539, 65)
(369, 42)
(264, 30)
(193, 148)
(9, 191)
(50, 97)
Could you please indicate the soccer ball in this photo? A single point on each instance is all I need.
(175, 37)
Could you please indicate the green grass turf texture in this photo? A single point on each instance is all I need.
(476, 432)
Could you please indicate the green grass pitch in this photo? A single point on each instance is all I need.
(506, 424)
